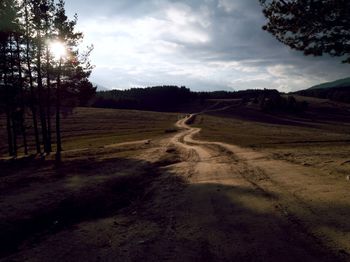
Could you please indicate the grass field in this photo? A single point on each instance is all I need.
(92, 127)
(266, 135)
(320, 137)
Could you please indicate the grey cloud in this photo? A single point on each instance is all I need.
(234, 35)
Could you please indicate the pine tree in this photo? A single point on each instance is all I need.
(71, 70)
(22, 112)
(29, 74)
(315, 27)
(28, 57)
(38, 10)
(48, 28)
(8, 27)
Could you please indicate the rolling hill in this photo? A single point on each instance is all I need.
(338, 90)
(345, 82)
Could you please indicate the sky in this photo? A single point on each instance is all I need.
(205, 45)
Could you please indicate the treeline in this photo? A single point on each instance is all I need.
(42, 73)
(169, 98)
(164, 98)
(267, 100)
(340, 94)
(241, 94)
(158, 98)
(273, 101)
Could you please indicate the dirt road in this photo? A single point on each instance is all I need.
(214, 202)
(278, 208)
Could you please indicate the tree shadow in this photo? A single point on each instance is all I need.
(85, 190)
(222, 223)
(182, 221)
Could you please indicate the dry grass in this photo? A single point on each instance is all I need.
(92, 128)
(321, 141)
(266, 135)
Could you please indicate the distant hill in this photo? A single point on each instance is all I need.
(345, 82)
(337, 91)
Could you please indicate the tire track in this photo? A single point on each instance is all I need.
(289, 182)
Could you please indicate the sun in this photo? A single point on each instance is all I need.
(58, 50)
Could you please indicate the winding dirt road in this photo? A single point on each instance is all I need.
(247, 206)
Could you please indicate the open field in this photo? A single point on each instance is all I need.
(103, 171)
(91, 127)
(319, 138)
(99, 127)
(247, 186)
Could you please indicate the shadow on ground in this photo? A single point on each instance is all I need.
(38, 200)
(123, 209)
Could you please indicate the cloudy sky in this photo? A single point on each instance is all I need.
(202, 44)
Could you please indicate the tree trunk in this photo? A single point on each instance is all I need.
(58, 120)
(32, 93)
(41, 99)
(14, 132)
(22, 120)
(12, 116)
(49, 135)
(33, 107)
(8, 111)
(9, 133)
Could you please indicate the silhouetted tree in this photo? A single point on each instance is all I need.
(71, 70)
(22, 111)
(86, 92)
(9, 83)
(29, 57)
(312, 26)
(48, 12)
(39, 9)
(28, 71)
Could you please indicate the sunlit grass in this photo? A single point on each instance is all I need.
(93, 128)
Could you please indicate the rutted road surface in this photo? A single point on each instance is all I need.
(214, 202)
(248, 206)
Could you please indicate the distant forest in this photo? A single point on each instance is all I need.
(163, 98)
(159, 98)
(171, 98)
(340, 94)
